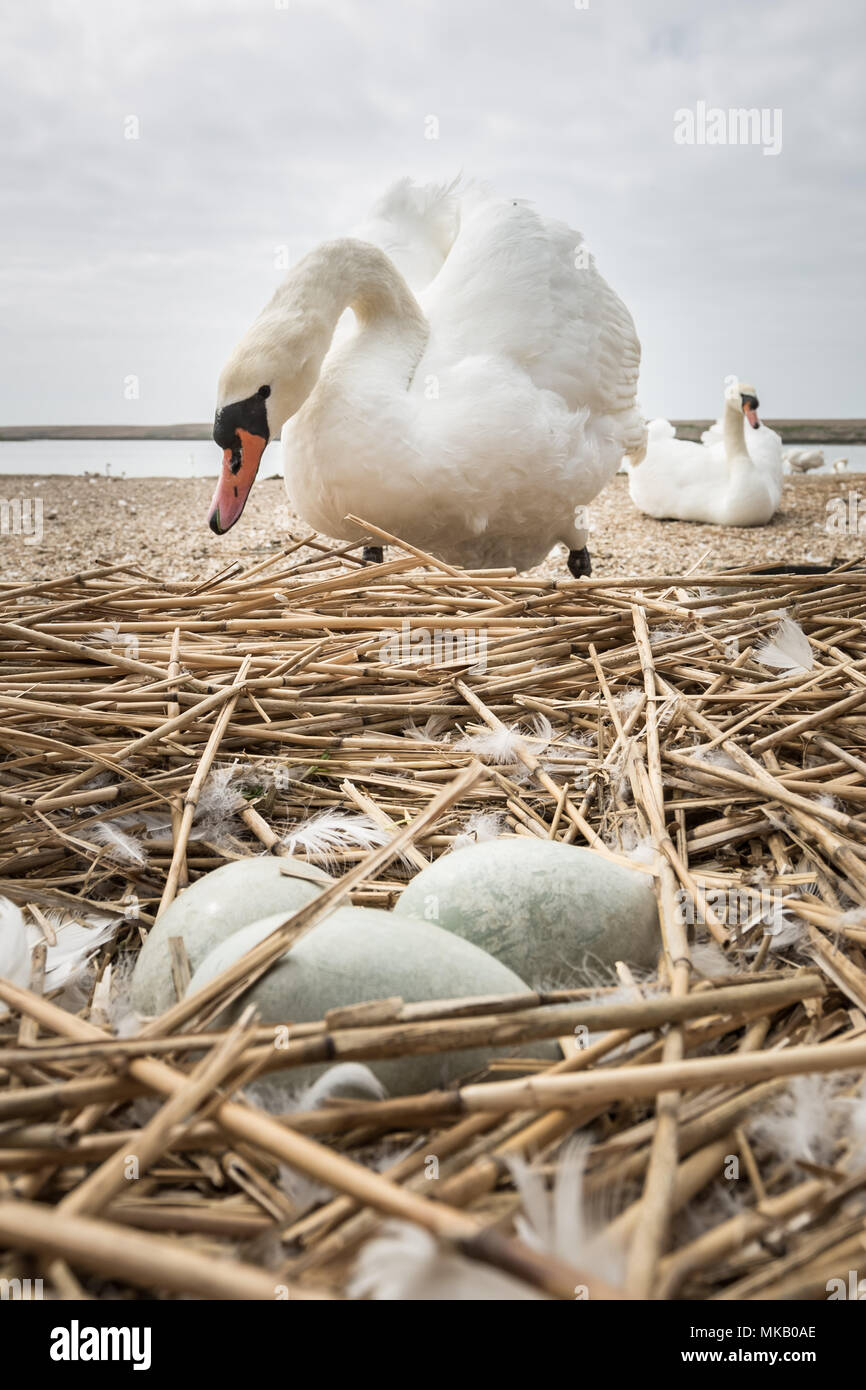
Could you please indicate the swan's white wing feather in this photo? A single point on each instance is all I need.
(714, 436)
(415, 225)
(765, 449)
(524, 288)
(657, 430)
(673, 478)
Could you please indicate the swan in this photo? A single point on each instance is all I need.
(764, 447)
(839, 465)
(804, 460)
(473, 402)
(715, 481)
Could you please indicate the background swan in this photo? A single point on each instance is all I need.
(480, 393)
(763, 444)
(712, 481)
(804, 460)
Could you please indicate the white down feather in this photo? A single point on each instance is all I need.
(408, 1264)
(787, 648)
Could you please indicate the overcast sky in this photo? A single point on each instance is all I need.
(265, 124)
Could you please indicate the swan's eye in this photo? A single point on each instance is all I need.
(264, 392)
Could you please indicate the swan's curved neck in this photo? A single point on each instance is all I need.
(299, 322)
(349, 274)
(735, 434)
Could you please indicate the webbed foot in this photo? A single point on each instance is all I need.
(579, 563)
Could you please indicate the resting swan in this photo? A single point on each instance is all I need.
(763, 444)
(474, 414)
(724, 485)
(804, 460)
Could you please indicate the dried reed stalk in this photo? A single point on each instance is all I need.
(122, 702)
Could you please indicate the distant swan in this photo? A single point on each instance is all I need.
(804, 460)
(722, 481)
(475, 414)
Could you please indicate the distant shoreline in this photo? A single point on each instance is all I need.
(792, 431)
(21, 433)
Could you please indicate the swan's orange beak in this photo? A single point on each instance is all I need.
(240, 466)
(752, 416)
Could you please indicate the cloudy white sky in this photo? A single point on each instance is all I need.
(264, 124)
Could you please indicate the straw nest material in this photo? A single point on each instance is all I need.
(707, 729)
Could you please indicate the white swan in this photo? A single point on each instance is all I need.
(840, 465)
(475, 418)
(804, 460)
(763, 444)
(721, 482)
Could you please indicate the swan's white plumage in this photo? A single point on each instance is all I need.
(657, 430)
(763, 444)
(733, 484)
(416, 225)
(804, 460)
(473, 420)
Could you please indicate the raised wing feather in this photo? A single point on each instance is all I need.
(415, 225)
(525, 288)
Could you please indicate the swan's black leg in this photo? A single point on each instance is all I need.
(373, 555)
(579, 562)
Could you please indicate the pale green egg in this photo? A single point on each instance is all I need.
(552, 913)
(214, 907)
(359, 954)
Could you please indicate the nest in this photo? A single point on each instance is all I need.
(705, 729)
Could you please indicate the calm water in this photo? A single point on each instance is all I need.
(178, 458)
(123, 458)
